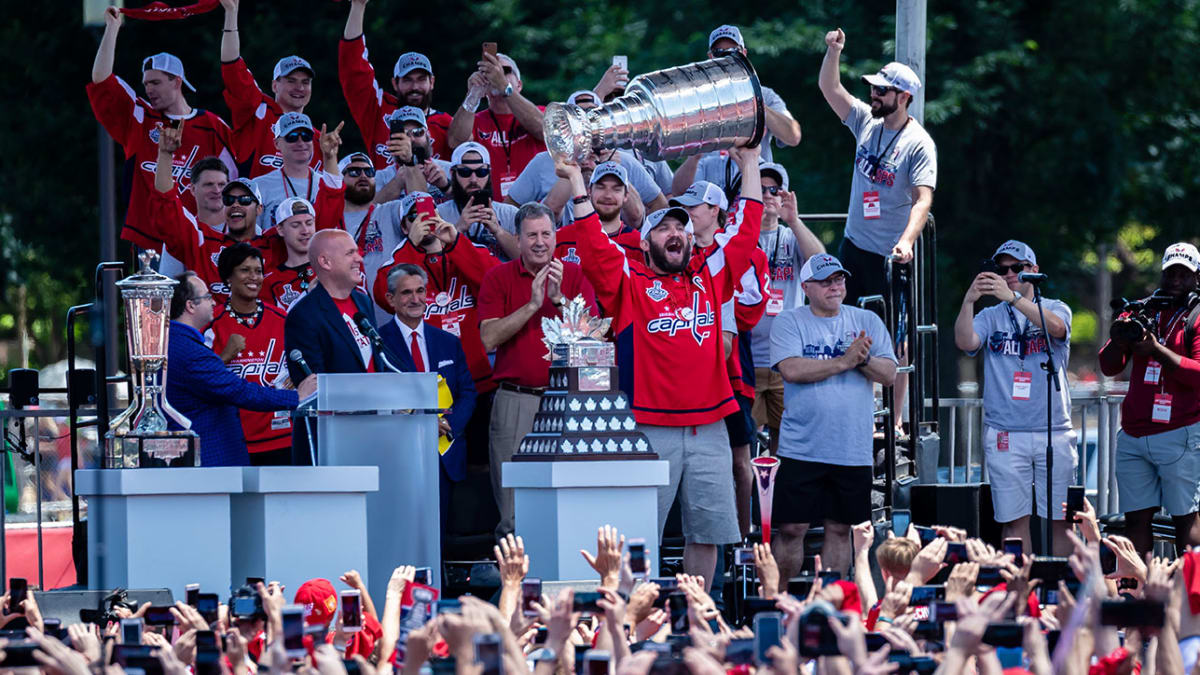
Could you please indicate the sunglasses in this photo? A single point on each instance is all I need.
(467, 172)
(415, 132)
(773, 189)
(244, 200)
(507, 70)
(355, 172)
(1016, 268)
(305, 135)
(882, 91)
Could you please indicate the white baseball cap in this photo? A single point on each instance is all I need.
(245, 183)
(655, 219)
(895, 74)
(1017, 249)
(410, 61)
(291, 121)
(702, 192)
(293, 206)
(407, 113)
(348, 159)
(820, 267)
(169, 64)
(609, 169)
(470, 146)
(726, 31)
(409, 200)
(776, 169)
(1182, 253)
(507, 60)
(289, 64)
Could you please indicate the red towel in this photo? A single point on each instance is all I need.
(161, 11)
(1191, 580)
(851, 600)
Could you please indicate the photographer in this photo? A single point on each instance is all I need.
(1012, 337)
(1158, 463)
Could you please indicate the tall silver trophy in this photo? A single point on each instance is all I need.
(139, 436)
(667, 114)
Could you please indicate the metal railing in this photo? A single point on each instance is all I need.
(1095, 418)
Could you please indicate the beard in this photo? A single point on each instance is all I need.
(607, 214)
(658, 256)
(460, 195)
(884, 109)
(416, 98)
(360, 196)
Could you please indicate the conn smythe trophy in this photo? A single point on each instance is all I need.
(582, 415)
(667, 114)
(139, 436)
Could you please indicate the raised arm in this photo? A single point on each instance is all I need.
(354, 20)
(604, 262)
(785, 127)
(463, 123)
(102, 67)
(528, 115)
(830, 79)
(231, 42)
(168, 142)
(685, 175)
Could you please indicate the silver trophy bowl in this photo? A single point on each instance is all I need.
(667, 114)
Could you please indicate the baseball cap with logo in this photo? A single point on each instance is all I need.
(655, 219)
(780, 173)
(609, 169)
(353, 157)
(820, 267)
(895, 74)
(470, 146)
(169, 64)
(407, 113)
(409, 200)
(726, 31)
(1017, 249)
(1182, 253)
(290, 64)
(245, 183)
(293, 206)
(506, 60)
(319, 601)
(702, 192)
(289, 122)
(410, 61)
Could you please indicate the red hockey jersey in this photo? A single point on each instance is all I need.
(253, 113)
(260, 362)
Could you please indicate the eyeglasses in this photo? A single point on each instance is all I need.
(467, 172)
(1016, 268)
(881, 91)
(305, 135)
(355, 172)
(244, 200)
(198, 298)
(837, 279)
(773, 189)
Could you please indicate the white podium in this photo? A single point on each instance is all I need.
(159, 528)
(560, 505)
(294, 523)
(389, 421)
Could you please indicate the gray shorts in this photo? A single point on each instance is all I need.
(1160, 470)
(702, 466)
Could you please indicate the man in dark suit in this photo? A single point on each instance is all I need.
(201, 387)
(422, 348)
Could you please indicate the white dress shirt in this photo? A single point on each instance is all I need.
(407, 334)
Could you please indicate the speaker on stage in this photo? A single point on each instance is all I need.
(964, 505)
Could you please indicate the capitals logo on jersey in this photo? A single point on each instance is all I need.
(691, 319)
(573, 257)
(262, 363)
(288, 296)
(454, 299)
(656, 292)
(179, 172)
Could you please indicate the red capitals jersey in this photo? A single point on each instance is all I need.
(133, 123)
(750, 304)
(669, 325)
(260, 362)
(284, 285)
(198, 246)
(369, 104)
(509, 145)
(454, 280)
(253, 113)
(566, 247)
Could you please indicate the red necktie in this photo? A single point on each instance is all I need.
(416, 354)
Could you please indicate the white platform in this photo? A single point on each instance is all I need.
(294, 523)
(560, 505)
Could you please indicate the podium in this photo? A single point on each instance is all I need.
(387, 420)
(561, 504)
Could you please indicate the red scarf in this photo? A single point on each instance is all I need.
(161, 11)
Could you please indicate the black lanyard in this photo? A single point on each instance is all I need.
(288, 180)
(507, 141)
(775, 253)
(1022, 337)
(1170, 325)
(879, 139)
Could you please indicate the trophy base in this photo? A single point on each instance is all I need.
(162, 450)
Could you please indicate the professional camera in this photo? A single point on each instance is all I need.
(246, 603)
(106, 612)
(1142, 315)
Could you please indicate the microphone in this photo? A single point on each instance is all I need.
(364, 325)
(1032, 277)
(298, 358)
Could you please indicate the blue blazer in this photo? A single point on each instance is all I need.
(315, 327)
(202, 389)
(446, 356)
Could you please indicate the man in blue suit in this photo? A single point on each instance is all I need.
(202, 388)
(422, 348)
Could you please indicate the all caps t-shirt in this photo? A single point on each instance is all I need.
(348, 309)
(830, 421)
(909, 159)
(784, 259)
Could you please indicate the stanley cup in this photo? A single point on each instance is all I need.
(764, 478)
(667, 114)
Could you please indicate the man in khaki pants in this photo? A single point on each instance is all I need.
(513, 299)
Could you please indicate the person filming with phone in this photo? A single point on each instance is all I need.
(1014, 343)
(1158, 447)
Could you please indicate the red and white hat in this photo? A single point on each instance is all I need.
(319, 601)
(1182, 253)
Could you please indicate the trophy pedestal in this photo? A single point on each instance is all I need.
(162, 450)
(159, 529)
(281, 507)
(560, 505)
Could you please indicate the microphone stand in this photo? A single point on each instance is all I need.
(1051, 369)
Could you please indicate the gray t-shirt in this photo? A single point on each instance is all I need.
(538, 178)
(879, 208)
(1003, 333)
(275, 187)
(719, 168)
(506, 215)
(785, 260)
(831, 421)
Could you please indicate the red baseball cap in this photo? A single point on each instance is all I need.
(319, 600)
